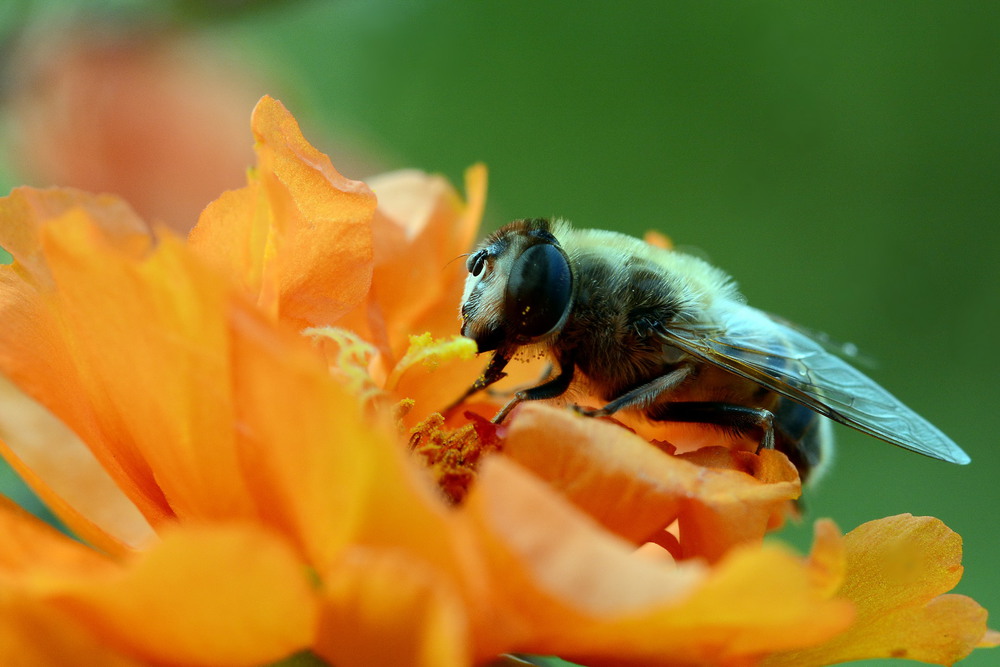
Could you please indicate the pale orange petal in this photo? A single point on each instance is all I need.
(298, 237)
(38, 445)
(635, 490)
(990, 640)
(828, 558)
(897, 570)
(421, 230)
(213, 596)
(380, 608)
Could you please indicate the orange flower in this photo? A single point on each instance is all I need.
(286, 512)
(897, 572)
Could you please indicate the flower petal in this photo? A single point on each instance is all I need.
(34, 352)
(31, 632)
(720, 498)
(66, 473)
(29, 543)
(380, 608)
(897, 569)
(579, 592)
(421, 228)
(339, 477)
(185, 602)
(298, 237)
(422, 231)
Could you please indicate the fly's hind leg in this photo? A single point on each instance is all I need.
(737, 419)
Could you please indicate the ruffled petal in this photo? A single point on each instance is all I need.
(43, 229)
(565, 587)
(720, 498)
(298, 238)
(422, 231)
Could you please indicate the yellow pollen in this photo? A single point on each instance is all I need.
(452, 455)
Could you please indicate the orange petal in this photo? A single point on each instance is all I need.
(897, 569)
(31, 632)
(635, 490)
(422, 230)
(33, 349)
(302, 440)
(29, 544)
(566, 587)
(298, 237)
(338, 477)
(380, 608)
(214, 596)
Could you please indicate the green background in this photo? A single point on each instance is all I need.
(841, 160)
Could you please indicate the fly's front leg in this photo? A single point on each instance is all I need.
(493, 373)
(737, 419)
(557, 386)
(507, 393)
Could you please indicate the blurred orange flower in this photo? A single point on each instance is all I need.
(286, 512)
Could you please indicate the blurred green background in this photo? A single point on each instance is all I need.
(841, 160)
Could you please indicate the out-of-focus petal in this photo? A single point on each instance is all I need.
(31, 631)
(720, 498)
(898, 571)
(34, 352)
(298, 238)
(828, 560)
(29, 543)
(33, 634)
(148, 114)
(184, 602)
(41, 445)
(593, 601)
(381, 608)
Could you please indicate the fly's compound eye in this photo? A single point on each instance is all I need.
(539, 291)
(476, 263)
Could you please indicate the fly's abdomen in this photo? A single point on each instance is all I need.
(802, 435)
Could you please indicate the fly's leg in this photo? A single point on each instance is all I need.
(507, 393)
(642, 396)
(493, 373)
(737, 419)
(557, 386)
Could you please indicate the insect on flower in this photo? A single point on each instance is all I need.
(666, 334)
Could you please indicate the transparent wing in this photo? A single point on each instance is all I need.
(756, 346)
